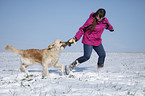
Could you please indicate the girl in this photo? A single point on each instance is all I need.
(91, 31)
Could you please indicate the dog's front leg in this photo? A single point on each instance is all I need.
(45, 70)
(60, 65)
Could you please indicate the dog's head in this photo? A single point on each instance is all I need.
(58, 44)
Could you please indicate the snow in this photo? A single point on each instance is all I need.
(122, 75)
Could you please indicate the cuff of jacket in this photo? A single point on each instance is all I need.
(112, 30)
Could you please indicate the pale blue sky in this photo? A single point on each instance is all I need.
(29, 24)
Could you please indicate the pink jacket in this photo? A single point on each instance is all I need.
(94, 37)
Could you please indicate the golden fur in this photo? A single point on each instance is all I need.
(46, 57)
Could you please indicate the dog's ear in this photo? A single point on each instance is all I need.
(51, 46)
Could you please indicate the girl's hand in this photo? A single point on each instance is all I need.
(71, 41)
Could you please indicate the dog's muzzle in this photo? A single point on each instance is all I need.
(64, 44)
(68, 43)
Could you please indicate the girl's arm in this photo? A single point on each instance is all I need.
(108, 25)
(87, 23)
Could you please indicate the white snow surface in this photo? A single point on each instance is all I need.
(122, 75)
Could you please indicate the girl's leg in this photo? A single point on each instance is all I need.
(87, 53)
(101, 52)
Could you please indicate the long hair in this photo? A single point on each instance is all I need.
(101, 12)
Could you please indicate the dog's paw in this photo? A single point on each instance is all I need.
(61, 74)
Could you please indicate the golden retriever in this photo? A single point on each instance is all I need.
(46, 57)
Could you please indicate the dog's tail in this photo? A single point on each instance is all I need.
(17, 51)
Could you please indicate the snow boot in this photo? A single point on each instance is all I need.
(100, 65)
(69, 68)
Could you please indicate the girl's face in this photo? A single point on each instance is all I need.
(98, 18)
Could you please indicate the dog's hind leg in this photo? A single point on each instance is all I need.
(23, 66)
(58, 65)
(20, 70)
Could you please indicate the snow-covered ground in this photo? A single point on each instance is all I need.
(122, 75)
